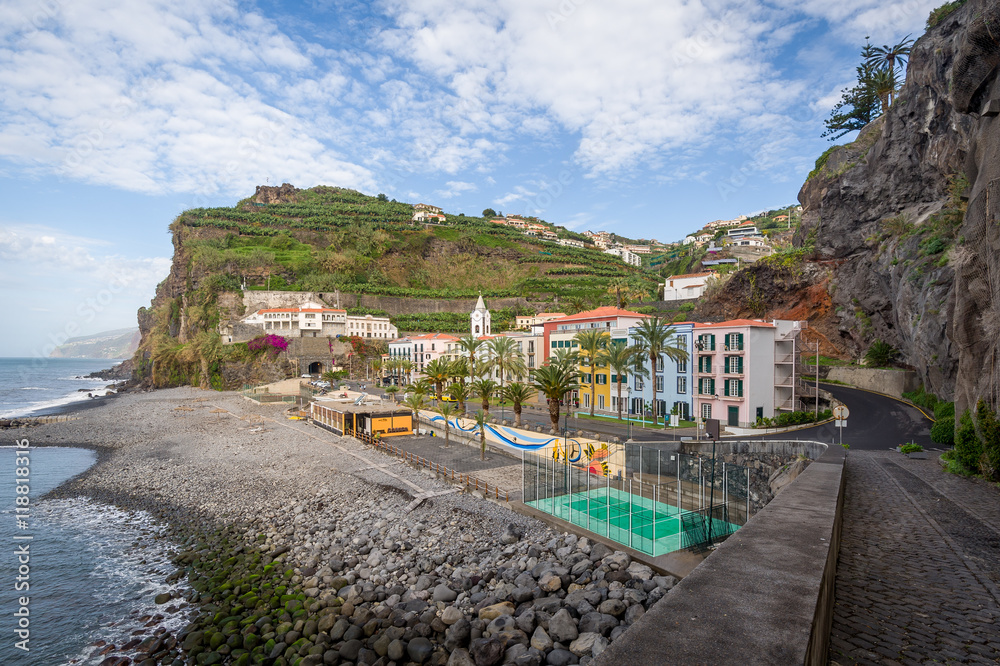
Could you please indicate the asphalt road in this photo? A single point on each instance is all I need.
(876, 422)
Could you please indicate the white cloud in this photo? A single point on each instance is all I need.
(75, 261)
(455, 188)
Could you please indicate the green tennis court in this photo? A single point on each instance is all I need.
(638, 522)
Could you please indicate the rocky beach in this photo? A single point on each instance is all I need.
(295, 546)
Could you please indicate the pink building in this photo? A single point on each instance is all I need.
(746, 369)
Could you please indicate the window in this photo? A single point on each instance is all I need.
(734, 341)
(706, 342)
(682, 384)
(734, 365)
(706, 386)
(661, 407)
(638, 384)
(602, 379)
(682, 365)
(659, 384)
(734, 388)
(706, 411)
(705, 364)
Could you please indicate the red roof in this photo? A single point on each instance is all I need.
(434, 336)
(689, 275)
(603, 312)
(735, 323)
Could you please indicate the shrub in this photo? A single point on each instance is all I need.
(944, 410)
(269, 344)
(881, 354)
(943, 430)
(968, 448)
(911, 448)
(922, 398)
(942, 12)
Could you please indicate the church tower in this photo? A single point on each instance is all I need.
(480, 319)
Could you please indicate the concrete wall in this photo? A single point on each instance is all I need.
(394, 305)
(765, 596)
(892, 382)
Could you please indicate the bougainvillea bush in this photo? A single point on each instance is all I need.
(270, 344)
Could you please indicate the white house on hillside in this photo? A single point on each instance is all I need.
(683, 287)
(627, 256)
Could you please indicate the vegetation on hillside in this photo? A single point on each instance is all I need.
(331, 238)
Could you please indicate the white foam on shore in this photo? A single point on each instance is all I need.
(68, 399)
(129, 562)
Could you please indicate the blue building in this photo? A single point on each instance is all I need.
(673, 379)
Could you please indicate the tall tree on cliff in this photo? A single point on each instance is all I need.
(859, 105)
(885, 58)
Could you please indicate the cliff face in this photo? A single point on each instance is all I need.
(888, 210)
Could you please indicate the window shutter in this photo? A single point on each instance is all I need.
(725, 386)
(740, 387)
(711, 342)
(711, 386)
(739, 341)
(739, 364)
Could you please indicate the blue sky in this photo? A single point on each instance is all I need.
(645, 117)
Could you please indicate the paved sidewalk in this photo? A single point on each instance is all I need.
(918, 580)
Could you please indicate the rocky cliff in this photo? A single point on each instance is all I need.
(892, 253)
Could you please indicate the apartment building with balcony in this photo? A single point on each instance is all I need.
(745, 369)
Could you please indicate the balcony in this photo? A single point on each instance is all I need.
(784, 380)
(784, 358)
(734, 350)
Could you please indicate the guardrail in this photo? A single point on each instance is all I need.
(467, 481)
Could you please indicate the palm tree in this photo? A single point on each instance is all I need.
(482, 418)
(459, 369)
(461, 392)
(471, 345)
(406, 367)
(518, 394)
(415, 401)
(887, 57)
(438, 373)
(446, 410)
(554, 381)
(377, 370)
(484, 388)
(656, 338)
(330, 376)
(593, 350)
(624, 359)
(392, 391)
(506, 358)
(423, 385)
(565, 358)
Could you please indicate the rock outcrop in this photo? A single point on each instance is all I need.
(887, 212)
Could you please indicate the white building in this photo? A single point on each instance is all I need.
(571, 242)
(683, 287)
(368, 326)
(311, 319)
(625, 255)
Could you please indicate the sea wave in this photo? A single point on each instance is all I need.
(41, 405)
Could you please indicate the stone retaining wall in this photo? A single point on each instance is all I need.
(891, 382)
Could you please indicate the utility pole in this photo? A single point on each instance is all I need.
(817, 380)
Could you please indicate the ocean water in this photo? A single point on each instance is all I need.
(92, 569)
(34, 386)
